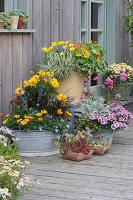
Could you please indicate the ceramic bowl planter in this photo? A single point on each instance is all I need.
(14, 22)
(77, 156)
(100, 151)
(36, 143)
(72, 86)
(21, 25)
(108, 133)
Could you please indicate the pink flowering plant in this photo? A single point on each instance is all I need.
(116, 119)
(118, 76)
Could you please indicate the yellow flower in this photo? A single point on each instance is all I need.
(39, 114)
(16, 116)
(53, 44)
(1, 114)
(62, 98)
(31, 72)
(45, 49)
(54, 83)
(41, 73)
(59, 111)
(98, 60)
(19, 120)
(70, 114)
(19, 91)
(60, 43)
(7, 115)
(30, 117)
(40, 119)
(86, 55)
(80, 41)
(26, 117)
(72, 49)
(51, 48)
(78, 54)
(71, 45)
(65, 47)
(67, 42)
(61, 53)
(5, 121)
(44, 111)
(24, 122)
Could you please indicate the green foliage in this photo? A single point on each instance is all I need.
(128, 20)
(63, 58)
(19, 13)
(6, 19)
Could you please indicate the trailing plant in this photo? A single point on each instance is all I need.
(20, 13)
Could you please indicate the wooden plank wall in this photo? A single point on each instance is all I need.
(15, 64)
(122, 49)
(54, 20)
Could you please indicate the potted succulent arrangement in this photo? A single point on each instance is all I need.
(23, 19)
(15, 17)
(37, 114)
(75, 147)
(6, 20)
(118, 76)
(99, 147)
(71, 63)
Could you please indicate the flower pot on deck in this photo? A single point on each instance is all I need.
(77, 156)
(72, 85)
(36, 143)
(100, 151)
(108, 133)
(1, 24)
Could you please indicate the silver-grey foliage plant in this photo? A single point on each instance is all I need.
(91, 106)
(61, 65)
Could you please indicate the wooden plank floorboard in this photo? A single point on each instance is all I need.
(109, 177)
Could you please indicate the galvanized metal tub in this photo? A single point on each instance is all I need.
(36, 143)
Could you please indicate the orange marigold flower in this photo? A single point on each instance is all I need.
(86, 55)
(40, 119)
(70, 114)
(44, 111)
(98, 60)
(16, 116)
(59, 111)
(38, 114)
(5, 121)
(78, 54)
(1, 114)
(83, 48)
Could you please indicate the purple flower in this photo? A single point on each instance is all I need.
(40, 128)
(67, 126)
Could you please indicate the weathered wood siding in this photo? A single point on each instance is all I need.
(122, 39)
(15, 63)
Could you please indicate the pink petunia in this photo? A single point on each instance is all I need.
(118, 96)
(121, 71)
(86, 94)
(103, 86)
(115, 76)
(131, 70)
(95, 79)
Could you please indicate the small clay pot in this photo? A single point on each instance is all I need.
(100, 151)
(77, 156)
(1, 24)
(21, 25)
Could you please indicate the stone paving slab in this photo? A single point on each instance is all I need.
(108, 177)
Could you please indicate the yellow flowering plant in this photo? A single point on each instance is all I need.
(38, 106)
(65, 57)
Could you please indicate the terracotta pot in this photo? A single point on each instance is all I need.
(72, 86)
(21, 25)
(1, 24)
(100, 151)
(14, 22)
(77, 156)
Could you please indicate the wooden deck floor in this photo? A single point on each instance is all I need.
(109, 177)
